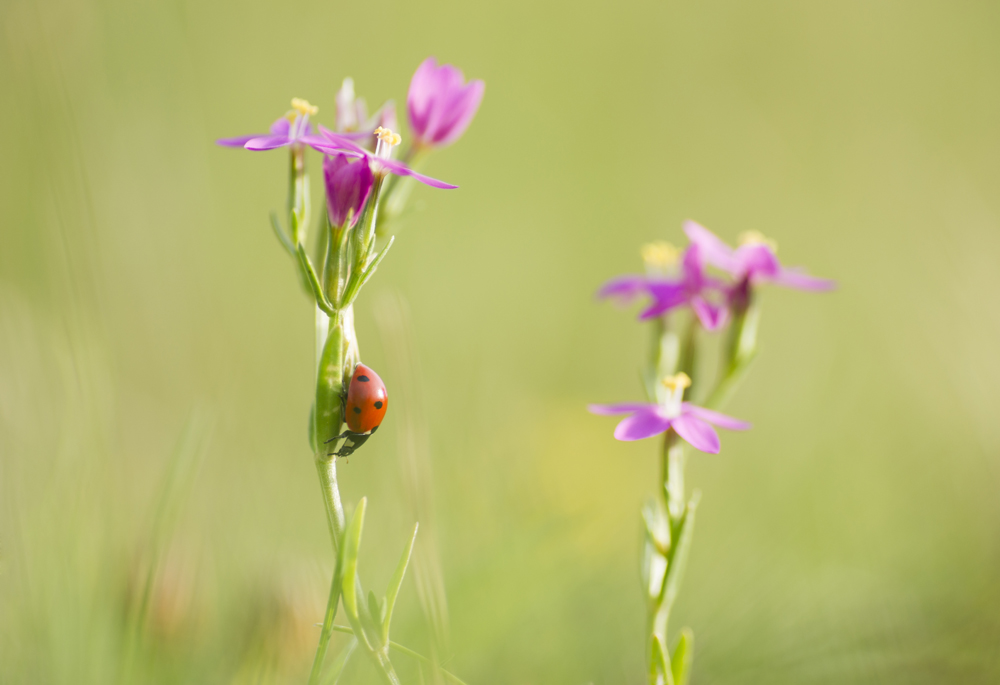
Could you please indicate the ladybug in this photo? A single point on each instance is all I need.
(364, 409)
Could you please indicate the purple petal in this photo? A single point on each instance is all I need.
(758, 261)
(721, 420)
(620, 408)
(440, 104)
(666, 295)
(643, 424)
(281, 127)
(713, 250)
(624, 287)
(267, 143)
(348, 185)
(712, 317)
(238, 141)
(792, 278)
(338, 141)
(699, 434)
(401, 169)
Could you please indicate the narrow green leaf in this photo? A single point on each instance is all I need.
(374, 608)
(397, 579)
(659, 664)
(347, 630)
(282, 237)
(337, 668)
(368, 273)
(349, 562)
(310, 275)
(678, 554)
(657, 528)
(680, 664)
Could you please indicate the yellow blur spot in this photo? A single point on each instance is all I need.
(677, 382)
(756, 238)
(659, 254)
(388, 137)
(304, 108)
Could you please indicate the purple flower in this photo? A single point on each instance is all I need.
(753, 262)
(348, 185)
(441, 104)
(694, 286)
(690, 422)
(379, 160)
(293, 128)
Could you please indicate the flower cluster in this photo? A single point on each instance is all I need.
(717, 300)
(361, 175)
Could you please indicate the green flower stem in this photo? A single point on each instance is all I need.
(298, 195)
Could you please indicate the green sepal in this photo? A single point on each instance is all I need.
(349, 560)
(313, 280)
(392, 592)
(677, 559)
(680, 663)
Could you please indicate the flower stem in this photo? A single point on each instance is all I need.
(324, 638)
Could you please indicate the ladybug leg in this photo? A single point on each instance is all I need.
(345, 434)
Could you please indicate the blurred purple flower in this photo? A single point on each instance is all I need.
(379, 160)
(753, 262)
(348, 185)
(693, 423)
(293, 128)
(353, 121)
(441, 104)
(694, 287)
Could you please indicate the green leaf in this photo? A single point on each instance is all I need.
(392, 592)
(680, 664)
(349, 561)
(657, 528)
(368, 273)
(282, 236)
(659, 664)
(678, 554)
(374, 607)
(310, 275)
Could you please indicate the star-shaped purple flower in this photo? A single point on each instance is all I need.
(690, 422)
(693, 423)
(441, 104)
(293, 128)
(694, 287)
(379, 160)
(753, 262)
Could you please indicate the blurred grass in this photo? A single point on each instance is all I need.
(852, 536)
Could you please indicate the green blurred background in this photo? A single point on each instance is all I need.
(150, 325)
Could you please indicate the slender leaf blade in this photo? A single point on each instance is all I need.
(680, 663)
(349, 563)
(392, 592)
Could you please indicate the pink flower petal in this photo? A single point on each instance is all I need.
(620, 408)
(699, 434)
(267, 143)
(642, 424)
(713, 250)
(792, 278)
(719, 419)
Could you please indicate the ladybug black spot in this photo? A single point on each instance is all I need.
(357, 410)
(363, 379)
(378, 405)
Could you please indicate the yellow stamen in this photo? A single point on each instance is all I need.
(659, 254)
(304, 108)
(388, 137)
(677, 382)
(756, 238)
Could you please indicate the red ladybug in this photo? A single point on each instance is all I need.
(364, 409)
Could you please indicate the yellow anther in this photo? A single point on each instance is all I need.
(677, 382)
(388, 137)
(304, 108)
(756, 238)
(659, 254)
